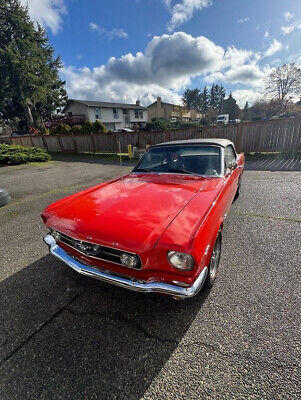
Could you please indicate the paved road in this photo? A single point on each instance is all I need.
(272, 163)
(64, 336)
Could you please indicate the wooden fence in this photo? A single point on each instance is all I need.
(263, 136)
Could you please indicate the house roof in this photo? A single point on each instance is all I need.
(168, 104)
(104, 104)
(218, 142)
(176, 105)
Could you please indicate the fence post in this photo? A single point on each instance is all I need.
(44, 143)
(238, 138)
(130, 151)
(60, 143)
(93, 143)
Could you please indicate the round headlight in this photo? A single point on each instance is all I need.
(182, 261)
(128, 260)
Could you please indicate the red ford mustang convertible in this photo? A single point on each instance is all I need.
(157, 229)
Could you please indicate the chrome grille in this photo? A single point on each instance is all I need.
(97, 251)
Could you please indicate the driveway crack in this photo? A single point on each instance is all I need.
(121, 318)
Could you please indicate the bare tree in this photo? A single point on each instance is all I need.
(284, 82)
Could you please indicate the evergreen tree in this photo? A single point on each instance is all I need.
(214, 97)
(246, 112)
(192, 98)
(205, 99)
(231, 108)
(29, 74)
(221, 98)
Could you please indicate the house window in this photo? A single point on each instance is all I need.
(138, 114)
(124, 111)
(115, 113)
(97, 113)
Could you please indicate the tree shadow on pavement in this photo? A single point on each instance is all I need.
(64, 336)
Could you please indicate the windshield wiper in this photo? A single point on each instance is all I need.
(184, 171)
(144, 170)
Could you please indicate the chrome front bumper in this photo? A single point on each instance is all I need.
(127, 283)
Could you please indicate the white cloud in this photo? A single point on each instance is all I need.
(274, 47)
(249, 74)
(242, 20)
(183, 11)
(288, 16)
(291, 28)
(246, 95)
(266, 34)
(49, 13)
(119, 33)
(167, 65)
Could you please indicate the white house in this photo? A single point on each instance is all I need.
(113, 115)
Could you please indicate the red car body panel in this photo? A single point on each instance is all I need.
(149, 214)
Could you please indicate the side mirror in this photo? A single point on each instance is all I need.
(232, 165)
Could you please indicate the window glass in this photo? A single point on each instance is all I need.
(97, 113)
(115, 113)
(139, 114)
(194, 159)
(229, 155)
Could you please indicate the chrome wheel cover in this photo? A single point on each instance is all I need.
(215, 257)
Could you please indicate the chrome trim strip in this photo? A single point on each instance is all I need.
(102, 245)
(127, 283)
(98, 244)
(101, 259)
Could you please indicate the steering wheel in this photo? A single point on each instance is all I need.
(211, 171)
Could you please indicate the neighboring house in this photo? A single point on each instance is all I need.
(172, 112)
(113, 115)
(297, 106)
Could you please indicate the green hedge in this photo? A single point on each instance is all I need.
(14, 155)
(86, 128)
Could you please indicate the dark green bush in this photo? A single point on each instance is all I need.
(93, 127)
(159, 124)
(98, 127)
(14, 155)
(61, 129)
(76, 129)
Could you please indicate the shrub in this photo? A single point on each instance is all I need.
(33, 131)
(61, 129)
(76, 129)
(159, 124)
(13, 154)
(44, 131)
(93, 127)
(98, 127)
(87, 127)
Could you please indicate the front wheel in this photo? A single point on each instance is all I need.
(214, 261)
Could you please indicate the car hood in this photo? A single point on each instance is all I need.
(129, 213)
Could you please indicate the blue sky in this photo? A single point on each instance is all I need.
(122, 50)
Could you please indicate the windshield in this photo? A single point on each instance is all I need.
(190, 159)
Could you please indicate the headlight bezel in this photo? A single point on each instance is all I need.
(185, 265)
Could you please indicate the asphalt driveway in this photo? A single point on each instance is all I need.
(64, 336)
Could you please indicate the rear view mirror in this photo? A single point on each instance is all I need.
(232, 165)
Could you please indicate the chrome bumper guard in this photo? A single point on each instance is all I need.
(127, 283)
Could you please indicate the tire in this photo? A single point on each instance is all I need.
(4, 197)
(214, 261)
